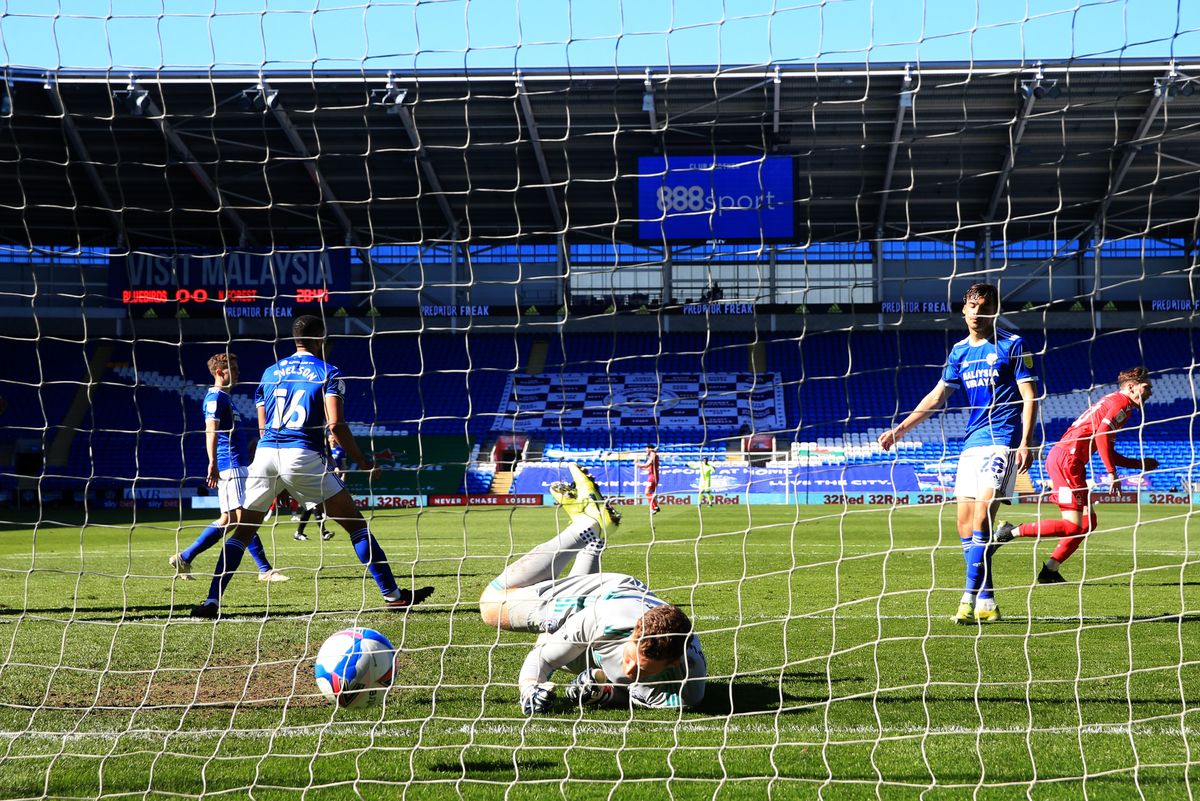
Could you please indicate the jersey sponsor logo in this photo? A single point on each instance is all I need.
(341, 387)
(211, 407)
(982, 377)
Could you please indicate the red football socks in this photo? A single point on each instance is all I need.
(1050, 528)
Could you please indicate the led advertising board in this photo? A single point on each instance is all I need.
(731, 198)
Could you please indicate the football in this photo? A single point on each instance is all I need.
(354, 667)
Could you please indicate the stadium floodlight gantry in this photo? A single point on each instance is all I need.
(559, 177)
(889, 152)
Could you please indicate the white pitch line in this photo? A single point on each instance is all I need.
(938, 617)
(578, 726)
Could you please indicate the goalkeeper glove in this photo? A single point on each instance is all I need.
(584, 690)
(536, 698)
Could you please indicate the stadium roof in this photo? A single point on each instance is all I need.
(944, 150)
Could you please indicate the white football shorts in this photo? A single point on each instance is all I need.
(986, 467)
(301, 472)
(231, 488)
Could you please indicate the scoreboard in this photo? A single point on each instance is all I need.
(245, 283)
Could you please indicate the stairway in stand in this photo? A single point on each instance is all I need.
(502, 483)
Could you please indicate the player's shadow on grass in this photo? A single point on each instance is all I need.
(98, 612)
(727, 698)
(182, 612)
(1078, 620)
(500, 767)
(415, 576)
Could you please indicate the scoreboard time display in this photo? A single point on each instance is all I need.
(244, 277)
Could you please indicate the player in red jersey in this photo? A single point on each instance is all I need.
(650, 465)
(1067, 465)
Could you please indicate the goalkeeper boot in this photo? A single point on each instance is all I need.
(563, 493)
(987, 612)
(566, 496)
(272, 576)
(965, 616)
(1005, 532)
(183, 569)
(1048, 576)
(592, 500)
(300, 536)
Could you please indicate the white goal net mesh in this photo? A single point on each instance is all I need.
(543, 235)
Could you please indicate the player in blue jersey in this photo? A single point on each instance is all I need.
(298, 398)
(337, 463)
(997, 374)
(226, 471)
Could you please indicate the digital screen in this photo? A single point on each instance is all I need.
(716, 197)
(244, 277)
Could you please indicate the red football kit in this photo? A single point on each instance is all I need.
(651, 468)
(1067, 463)
(1093, 431)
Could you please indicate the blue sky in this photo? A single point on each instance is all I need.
(464, 34)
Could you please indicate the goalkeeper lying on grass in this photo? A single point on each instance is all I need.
(624, 644)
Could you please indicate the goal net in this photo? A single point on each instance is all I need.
(715, 289)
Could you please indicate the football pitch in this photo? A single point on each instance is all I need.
(835, 671)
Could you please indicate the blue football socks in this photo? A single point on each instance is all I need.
(371, 555)
(207, 539)
(977, 562)
(260, 555)
(227, 565)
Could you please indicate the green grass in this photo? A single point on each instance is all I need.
(836, 672)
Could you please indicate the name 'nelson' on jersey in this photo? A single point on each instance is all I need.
(990, 372)
(292, 393)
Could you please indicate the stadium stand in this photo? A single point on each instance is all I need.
(840, 390)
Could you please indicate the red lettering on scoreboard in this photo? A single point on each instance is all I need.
(312, 295)
(203, 295)
(144, 296)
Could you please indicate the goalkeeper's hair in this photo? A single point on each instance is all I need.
(987, 294)
(1136, 375)
(221, 361)
(662, 633)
